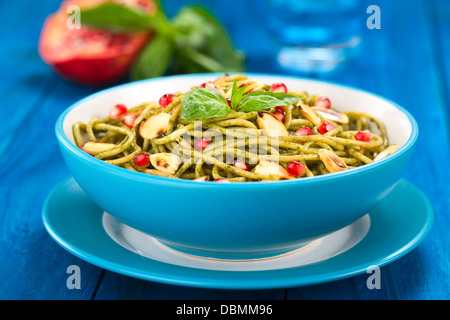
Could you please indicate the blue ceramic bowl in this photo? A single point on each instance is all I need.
(237, 220)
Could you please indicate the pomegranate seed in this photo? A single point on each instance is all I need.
(128, 120)
(142, 160)
(229, 102)
(326, 127)
(118, 111)
(323, 102)
(242, 165)
(207, 84)
(305, 131)
(279, 108)
(280, 115)
(201, 144)
(278, 87)
(165, 100)
(365, 136)
(296, 169)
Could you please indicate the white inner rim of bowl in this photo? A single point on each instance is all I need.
(397, 124)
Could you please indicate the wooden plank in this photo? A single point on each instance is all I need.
(32, 265)
(118, 287)
(441, 18)
(418, 79)
(31, 262)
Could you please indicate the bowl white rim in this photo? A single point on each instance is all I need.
(151, 178)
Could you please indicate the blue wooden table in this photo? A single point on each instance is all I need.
(407, 60)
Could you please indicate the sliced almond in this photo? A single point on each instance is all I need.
(268, 167)
(250, 85)
(332, 162)
(309, 113)
(386, 152)
(225, 78)
(331, 114)
(253, 85)
(166, 162)
(220, 80)
(270, 125)
(155, 126)
(95, 148)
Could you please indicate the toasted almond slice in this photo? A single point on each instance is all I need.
(309, 113)
(166, 162)
(254, 86)
(388, 151)
(204, 178)
(268, 167)
(95, 148)
(270, 125)
(331, 114)
(250, 85)
(332, 162)
(155, 126)
(221, 79)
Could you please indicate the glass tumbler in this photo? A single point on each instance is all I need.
(314, 35)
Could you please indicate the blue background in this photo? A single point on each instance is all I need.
(406, 61)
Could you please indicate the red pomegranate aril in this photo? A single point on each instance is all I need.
(305, 131)
(365, 136)
(128, 120)
(280, 115)
(118, 111)
(242, 165)
(296, 169)
(204, 85)
(323, 102)
(326, 127)
(279, 108)
(201, 144)
(165, 100)
(142, 160)
(278, 87)
(229, 102)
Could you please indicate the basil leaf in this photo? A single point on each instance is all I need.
(196, 62)
(204, 103)
(264, 100)
(199, 32)
(114, 16)
(121, 18)
(236, 95)
(153, 60)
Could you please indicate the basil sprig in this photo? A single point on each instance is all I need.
(192, 42)
(204, 103)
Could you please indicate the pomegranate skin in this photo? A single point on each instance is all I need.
(88, 56)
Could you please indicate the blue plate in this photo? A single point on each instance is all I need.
(396, 227)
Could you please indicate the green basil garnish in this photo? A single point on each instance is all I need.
(207, 103)
(204, 103)
(265, 100)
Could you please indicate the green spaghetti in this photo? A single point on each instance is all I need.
(235, 129)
